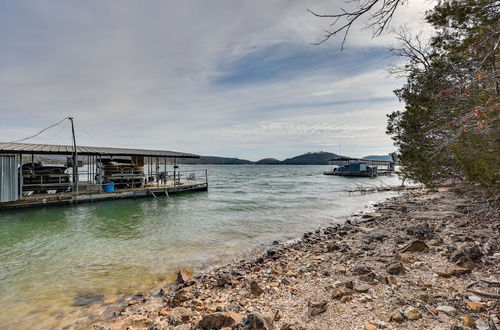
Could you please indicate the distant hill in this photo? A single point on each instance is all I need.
(311, 158)
(212, 160)
(379, 157)
(269, 161)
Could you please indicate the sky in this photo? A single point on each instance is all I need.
(226, 78)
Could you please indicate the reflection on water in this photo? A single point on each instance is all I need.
(54, 260)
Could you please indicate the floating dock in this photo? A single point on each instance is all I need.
(90, 174)
(360, 167)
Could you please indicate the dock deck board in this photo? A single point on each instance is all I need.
(84, 197)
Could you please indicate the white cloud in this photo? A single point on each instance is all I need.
(140, 74)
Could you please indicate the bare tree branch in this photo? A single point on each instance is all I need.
(380, 15)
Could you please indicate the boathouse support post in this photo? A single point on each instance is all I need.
(157, 172)
(20, 176)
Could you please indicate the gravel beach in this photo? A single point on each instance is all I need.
(428, 259)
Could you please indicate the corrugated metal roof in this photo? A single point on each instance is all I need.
(28, 148)
(364, 160)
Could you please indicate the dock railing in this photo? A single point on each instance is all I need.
(151, 180)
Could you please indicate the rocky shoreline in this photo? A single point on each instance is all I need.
(424, 260)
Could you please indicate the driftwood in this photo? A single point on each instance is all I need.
(374, 189)
(485, 294)
(492, 283)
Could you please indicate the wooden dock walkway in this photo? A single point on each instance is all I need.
(37, 200)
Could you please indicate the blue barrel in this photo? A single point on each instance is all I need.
(108, 186)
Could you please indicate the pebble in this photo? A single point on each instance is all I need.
(475, 307)
(469, 321)
(448, 310)
(412, 313)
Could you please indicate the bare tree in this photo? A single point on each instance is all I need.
(380, 14)
(414, 48)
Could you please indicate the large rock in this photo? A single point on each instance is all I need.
(219, 320)
(317, 307)
(184, 275)
(256, 322)
(466, 253)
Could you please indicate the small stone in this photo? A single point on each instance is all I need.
(294, 326)
(109, 300)
(180, 315)
(448, 310)
(361, 270)
(184, 275)
(412, 313)
(345, 299)
(223, 281)
(159, 324)
(469, 321)
(395, 268)
(365, 299)
(475, 307)
(395, 316)
(255, 288)
(370, 326)
(370, 277)
(361, 288)
(316, 308)
(432, 309)
(346, 284)
(453, 271)
(482, 325)
(340, 292)
(392, 280)
(416, 246)
(332, 247)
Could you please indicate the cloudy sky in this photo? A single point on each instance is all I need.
(226, 78)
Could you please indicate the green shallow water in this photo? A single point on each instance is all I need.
(51, 256)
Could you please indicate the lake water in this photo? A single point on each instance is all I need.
(49, 257)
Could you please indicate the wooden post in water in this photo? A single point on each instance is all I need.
(75, 157)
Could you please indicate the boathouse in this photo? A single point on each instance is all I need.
(88, 174)
(348, 166)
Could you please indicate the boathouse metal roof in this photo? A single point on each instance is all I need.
(363, 160)
(53, 149)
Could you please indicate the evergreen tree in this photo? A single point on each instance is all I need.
(449, 129)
